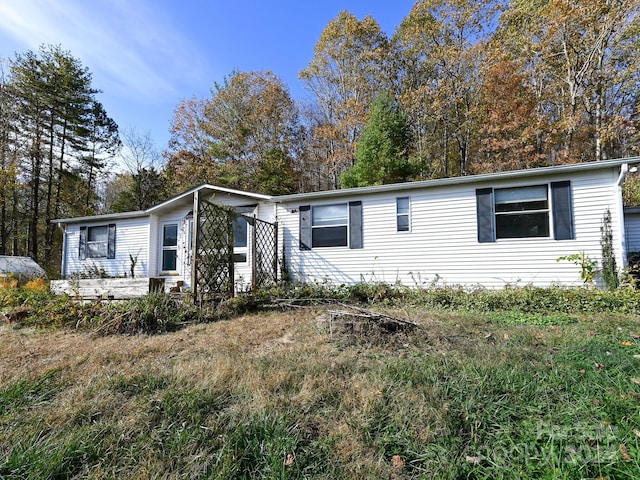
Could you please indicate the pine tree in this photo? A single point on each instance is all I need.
(382, 152)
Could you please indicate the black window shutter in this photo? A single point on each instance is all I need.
(82, 245)
(111, 244)
(485, 214)
(355, 224)
(305, 227)
(563, 228)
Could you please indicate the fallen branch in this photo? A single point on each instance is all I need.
(359, 320)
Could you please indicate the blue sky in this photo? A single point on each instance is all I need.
(147, 55)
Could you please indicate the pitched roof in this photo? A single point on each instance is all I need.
(185, 198)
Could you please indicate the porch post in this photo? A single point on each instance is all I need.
(254, 255)
(275, 251)
(195, 243)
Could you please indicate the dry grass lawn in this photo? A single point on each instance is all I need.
(273, 395)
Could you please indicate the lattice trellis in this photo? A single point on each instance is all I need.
(214, 252)
(264, 239)
(213, 267)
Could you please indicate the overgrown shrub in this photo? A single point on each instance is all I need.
(34, 305)
(609, 267)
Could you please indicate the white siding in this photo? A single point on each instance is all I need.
(132, 238)
(153, 240)
(443, 245)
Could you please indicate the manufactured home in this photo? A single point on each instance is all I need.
(492, 230)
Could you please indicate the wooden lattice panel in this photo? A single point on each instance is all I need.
(214, 255)
(265, 268)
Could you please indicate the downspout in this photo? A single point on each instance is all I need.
(63, 262)
(624, 170)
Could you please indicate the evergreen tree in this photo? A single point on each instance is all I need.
(275, 175)
(383, 148)
(54, 115)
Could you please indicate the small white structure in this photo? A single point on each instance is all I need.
(491, 230)
(21, 268)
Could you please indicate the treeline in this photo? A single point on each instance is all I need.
(55, 140)
(58, 147)
(460, 87)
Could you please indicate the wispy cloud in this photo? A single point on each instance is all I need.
(131, 47)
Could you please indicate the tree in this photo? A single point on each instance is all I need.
(250, 115)
(103, 142)
(228, 136)
(441, 48)
(582, 69)
(510, 135)
(137, 191)
(348, 70)
(53, 99)
(276, 175)
(383, 147)
(142, 185)
(189, 160)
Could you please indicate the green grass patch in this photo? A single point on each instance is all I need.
(28, 393)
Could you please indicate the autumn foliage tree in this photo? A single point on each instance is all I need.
(229, 137)
(580, 60)
(486, 86)
(349, 68)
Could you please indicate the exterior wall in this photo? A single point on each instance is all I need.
(132, 238)
(153, 240)
(243, 273)
(443, 242)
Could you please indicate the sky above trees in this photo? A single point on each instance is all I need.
(148, 55)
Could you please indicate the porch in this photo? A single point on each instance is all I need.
(110, 288)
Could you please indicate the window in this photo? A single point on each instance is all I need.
(403, 218)
(169, 247)
(97, 239)
(329, 225)
(337, 225)
(525, 212)
(522, 212)
(97, 242)
(240, 240)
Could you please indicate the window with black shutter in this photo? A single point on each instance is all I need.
(334, 225)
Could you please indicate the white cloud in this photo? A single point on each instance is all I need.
(132, 49)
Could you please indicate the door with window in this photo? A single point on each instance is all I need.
(169, 254)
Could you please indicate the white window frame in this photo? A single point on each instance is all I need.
(340, 222)
(406, 214)
(524, 211)
(169, 248)
(92, 245)
(241, 252)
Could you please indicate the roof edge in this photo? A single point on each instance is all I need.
(485, 177)
(105, 216)
(241, 193)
